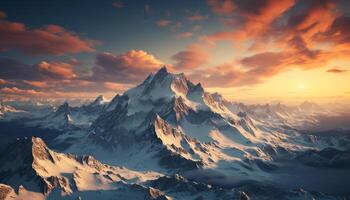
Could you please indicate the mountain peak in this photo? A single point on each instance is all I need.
(161, 73)
(99, 101)
(40, 149)
(163, 70)
(63, 108)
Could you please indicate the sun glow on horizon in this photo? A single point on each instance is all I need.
(301, 87)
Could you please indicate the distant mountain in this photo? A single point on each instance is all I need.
(68, 117)
(8, 112)
(301, 117)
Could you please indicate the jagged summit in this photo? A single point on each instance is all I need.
(64, 108)
(162, 71)
(100, 100)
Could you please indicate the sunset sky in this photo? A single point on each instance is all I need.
(248, 50)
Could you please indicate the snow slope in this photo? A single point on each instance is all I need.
(169, 124)
(68, 117)
(32, 171)
(29, 165)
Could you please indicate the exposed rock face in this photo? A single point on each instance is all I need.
(244, 196)
(6, 192)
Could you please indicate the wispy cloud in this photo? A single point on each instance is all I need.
(118, 4)
(51, 40)
(337, 70)
(163, 22)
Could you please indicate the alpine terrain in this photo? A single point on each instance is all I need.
(168, 138)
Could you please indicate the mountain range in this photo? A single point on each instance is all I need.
(168, 138)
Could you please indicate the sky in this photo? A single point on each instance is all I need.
(255, 51)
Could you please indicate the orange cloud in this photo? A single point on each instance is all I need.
(38, 84)
(193, 57)
(258, 15)
(225, 7)
(196, 16)
(337, 70)
(45, 70)
(57, 69)
(3, 15)
(116, 86)
(305, 40)
(52, 39)
(129, 67)
(17, 91)
(118, 4)
(6, 82)
(185, 35)
(163, 22)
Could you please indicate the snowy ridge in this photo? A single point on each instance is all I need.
(168, 119)
(8, 112)
(189, 123)
(35, 172)
(68, 117)
(167, 126)
(44, 172)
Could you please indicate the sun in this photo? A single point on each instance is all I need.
(300, 87)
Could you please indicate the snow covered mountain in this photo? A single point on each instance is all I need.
(168, 124)
(68, 117)
(32, 171)
(37, 172)
(302, 117)
(173, 122)
(8, 112)
(174, 140)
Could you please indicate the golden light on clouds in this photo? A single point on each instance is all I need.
(294, 87)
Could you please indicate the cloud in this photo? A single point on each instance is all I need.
(15, 70)
(3, 15)
(251, 18)
(50, 40)
(224, 75)
(163, 22)
(263, 60)
(17, 91)
(129, 67)
(305, 38)
(193, 57)
(147, 8)
(259, 67)
(5, 82)
(196, 28)
(338, 32)
(118, 4)
(185, 35)
(116, 86)
(222, 7)
(110, 73)
(337, 70)
(196, 16)
(38, 84)
(57, 69)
